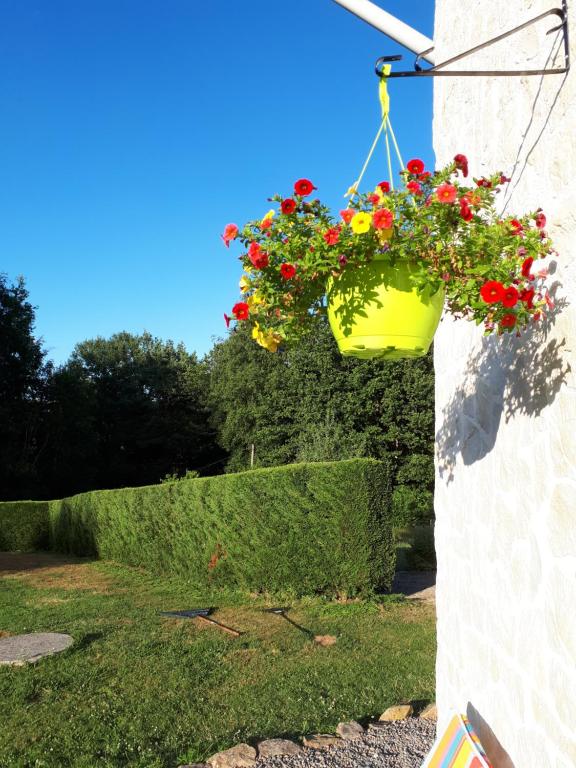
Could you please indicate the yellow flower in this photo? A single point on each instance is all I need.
(244, 284)
(361, 223)
(267, 339)
(270, 215)
(255, 300)
(384, 235)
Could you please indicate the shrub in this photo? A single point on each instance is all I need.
(23, 525)
(309, 528)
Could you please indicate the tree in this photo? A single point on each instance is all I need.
(140, 403)
(23, 375)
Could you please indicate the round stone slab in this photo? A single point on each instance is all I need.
(27, 649)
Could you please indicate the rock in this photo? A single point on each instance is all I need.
(325, 640)
(398, 712)
(278, 747)
(430, 712)
(28, 649)
(322, 741)
(240, 756)
(351, 730)
(378, 726)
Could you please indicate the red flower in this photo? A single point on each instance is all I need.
(527, 296)
(287, 271)
(288, 206)
(483, 183)
(446, 193)
(415, 166)
(414, 187)
(492, 292)
(303, 187)
(425, 176)
(517, 228)
(510, 297)
(257, 256)
(230, 233)
(331, 235)
(241, 310)
(385, 187)
(383, 219)
(504, 179)
(374, 199)
(508, 321)
(348, 214)
(540, 220)
(264, 224)
(465, 211)
(227, 320)
(526, 267)
(462, 164)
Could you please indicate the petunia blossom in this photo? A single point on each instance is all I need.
(230, 233)
(303, 187)
(383, 219)
(508, 321)
(287, 271)
(462, 164)
(492, 292)
(415, 166)
(446, 193)
(510, 297)
(241, 310)
(331, 235)
(288, 205)
(348, 214)
(414, 187)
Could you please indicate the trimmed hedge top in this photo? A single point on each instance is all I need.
(317, 527)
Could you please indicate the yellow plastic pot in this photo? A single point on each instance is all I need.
(375, 312)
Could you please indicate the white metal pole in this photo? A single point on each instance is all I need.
(391, 26)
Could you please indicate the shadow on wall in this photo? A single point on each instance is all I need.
(506, 377)
(495, 752)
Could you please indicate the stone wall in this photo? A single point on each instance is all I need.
(506, 413)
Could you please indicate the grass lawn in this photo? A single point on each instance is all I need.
(144, 691)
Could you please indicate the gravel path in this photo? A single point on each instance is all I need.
(402, 744)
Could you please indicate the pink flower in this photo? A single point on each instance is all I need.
(540, 220)
(446, 193)
(230, 233)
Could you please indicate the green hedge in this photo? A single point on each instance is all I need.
(317, 527)
(23, 525)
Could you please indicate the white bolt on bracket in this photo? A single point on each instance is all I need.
(384, 22)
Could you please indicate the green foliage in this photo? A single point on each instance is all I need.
(321, 527)
(127, 411)
(22, 401)
(23, 526)
(309, 403)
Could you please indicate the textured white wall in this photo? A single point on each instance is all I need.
(506, 414)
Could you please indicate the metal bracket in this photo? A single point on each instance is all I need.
(562, 13)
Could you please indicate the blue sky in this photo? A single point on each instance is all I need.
(132, 131)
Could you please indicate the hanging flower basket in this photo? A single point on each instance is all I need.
(383, 269)
(375, 311)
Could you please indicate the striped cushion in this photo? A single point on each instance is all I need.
(457, 747)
